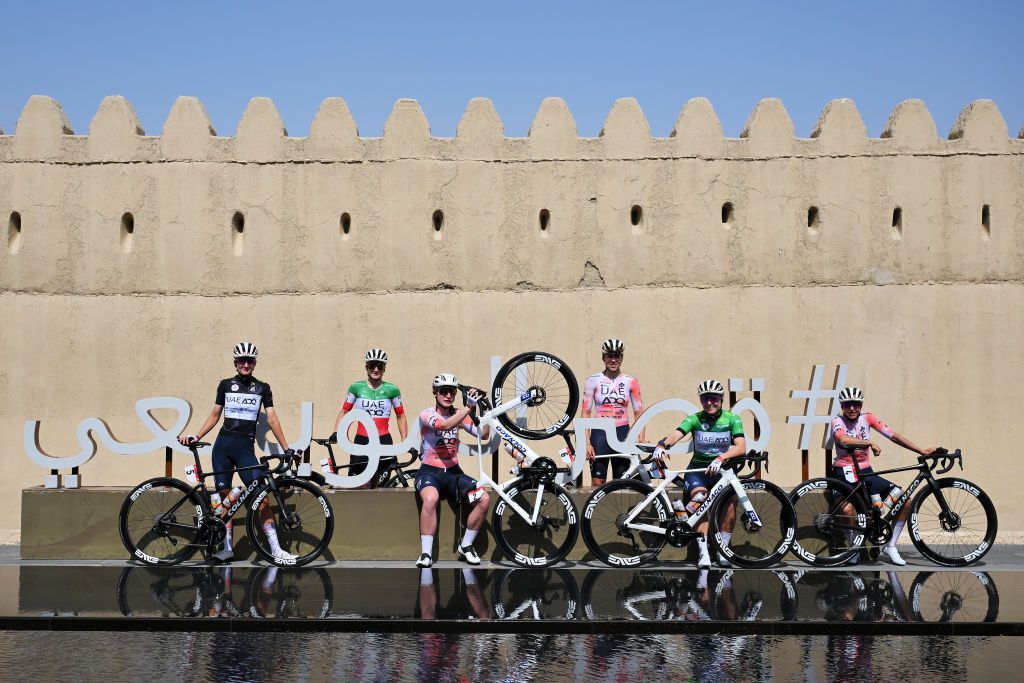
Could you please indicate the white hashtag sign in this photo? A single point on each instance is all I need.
(812, 396)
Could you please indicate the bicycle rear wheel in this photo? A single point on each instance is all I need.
(826, 536)
(545, 543)
(962, 536)
(304, 532)
(546, 415)
(954, 597)
(160, 521)
(604, 523)
(539, 595)
(633, 595)
(755, 546)
(301, 594)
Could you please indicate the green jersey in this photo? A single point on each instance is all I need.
(379, 403)
(711, 438)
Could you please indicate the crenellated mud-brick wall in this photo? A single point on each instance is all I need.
(134, 262)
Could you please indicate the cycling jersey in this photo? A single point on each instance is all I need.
(241, 398)
(441, 448)
(377, 402)
(861, 429)
(711, 438)
(608, 397)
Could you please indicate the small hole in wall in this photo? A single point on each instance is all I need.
(127, 232)
(986, 222)
(544, 218)
(813, 218)
(346, 225)
(14, 232)
(438, 220)
(727, 213)
(897, 223)
(636, 215)
(237, 228)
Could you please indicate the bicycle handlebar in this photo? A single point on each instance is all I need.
(281, 466)
(752, 458)
(942, 460)
(327, 443)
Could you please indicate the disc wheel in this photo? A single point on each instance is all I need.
(752, 545)
(551, 411)
(307, 534)
(541, 544)
(160, 521)
(826, 536)
(606, 533)
(963, 535)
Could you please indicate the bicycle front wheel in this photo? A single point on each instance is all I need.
(160, 521)
(541, 544)
(960, 536)
(302, 594)
(302, 519)
(550, 412)
(830, 522)
(633, 595)
(605, 530)
(542, 595)
(759, 540)
(954, 597)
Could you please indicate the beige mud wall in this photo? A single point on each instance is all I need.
(928, 313)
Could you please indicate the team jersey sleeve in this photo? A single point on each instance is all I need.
(396, 401)
(219, 400)
(431, 420)
(468, 425)
(879, 426)
(268, 396)
(588, 395)
(350, 398)
(634, 395)
(735, 427)
(837, 426)
(687, 425)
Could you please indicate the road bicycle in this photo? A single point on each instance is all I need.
(952, 521)
(535, 395)
(627, 522)
(390, 474)
(164, 521)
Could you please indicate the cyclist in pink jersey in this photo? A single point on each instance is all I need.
(440, 475)
(850, 430)
(610, 394)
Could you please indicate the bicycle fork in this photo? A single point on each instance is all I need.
(751, 521)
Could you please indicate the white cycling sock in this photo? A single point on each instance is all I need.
(271, 532)
(426, 544)
(469, 576)
(702, 545)
(270, 578)
(229, 537)
(426, 577)
(897, 529)
(468, 538)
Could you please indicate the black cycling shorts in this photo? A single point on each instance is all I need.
(599, 467)
(451, 483)
(231, 451)
(875, 483)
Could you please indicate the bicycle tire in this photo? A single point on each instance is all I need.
(951, 597)
(821, 539)
(959, 544)
(603, 530)
(307, 539)
(752, 546)
(561, 394)
(526, 545)
(552, 594)
(404, 479)
(160, 521)
(299, 594)
(149, 591)
(754, 596)
(633, 595)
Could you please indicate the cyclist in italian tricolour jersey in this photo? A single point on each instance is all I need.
(850, 430)
(380, 399)
(717, 437)
(440, 475)
(240, 398)
(610, 394)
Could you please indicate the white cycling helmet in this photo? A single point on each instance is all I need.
(246, 350)
(851, 394)
(613, 345)
(376, 355)
(446, 380)
(710, 386)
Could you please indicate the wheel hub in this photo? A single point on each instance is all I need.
(950, 521)
(539, 396)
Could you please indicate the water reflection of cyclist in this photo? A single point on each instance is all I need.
(610, 394)
(717, 437)
(851, 430)
(440, 474)
(380, 399)
(241, 398)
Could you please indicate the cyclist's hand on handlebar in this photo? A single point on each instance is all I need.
(292, 455)
(472, 396)
(661, 452)
(715, 467)
(929, 451)
(186, 440)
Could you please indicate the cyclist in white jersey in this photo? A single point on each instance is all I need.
(610, 394)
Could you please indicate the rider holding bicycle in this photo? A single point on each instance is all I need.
(851, 429)
(440, 474)
(380, 399)
(240, 398)
(607, 394)
(717, 437)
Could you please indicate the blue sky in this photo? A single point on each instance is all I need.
(516, 53)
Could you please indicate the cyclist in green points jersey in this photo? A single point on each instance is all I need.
(717, 437)
(380, 399)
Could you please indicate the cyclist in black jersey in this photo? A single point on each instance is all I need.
(240, 399)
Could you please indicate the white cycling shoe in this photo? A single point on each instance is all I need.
(284, 555)
(704, 560)
(424, 561)
(723, 561)
(894, 555)
(468, 553)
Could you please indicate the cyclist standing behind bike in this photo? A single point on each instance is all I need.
(607, 394)
(240, 398)
(440, 475)
(851, 429)
(717, 437)
(380, 399)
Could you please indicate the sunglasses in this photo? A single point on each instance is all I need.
(852, 404)
(613, 356)
(710, 398)
(245, 361)
(374, 366)
(447, 391)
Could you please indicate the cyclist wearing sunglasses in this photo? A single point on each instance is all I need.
(609, 394)
(380, 399)
(850, 430)
(440, 475)
(240, 399)
(717, 436)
